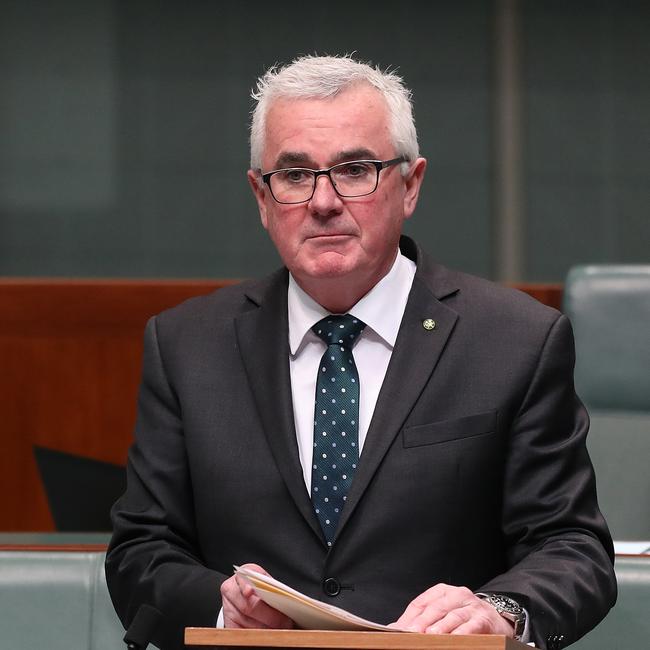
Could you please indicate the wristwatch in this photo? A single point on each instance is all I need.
(510, 609)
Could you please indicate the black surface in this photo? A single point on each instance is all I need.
(80, 491)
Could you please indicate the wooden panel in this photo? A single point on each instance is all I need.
(549, 294)
(62, 548)
(222, 638)
(70, 355)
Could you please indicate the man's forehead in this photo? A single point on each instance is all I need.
(314, 132)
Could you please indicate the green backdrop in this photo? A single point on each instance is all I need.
(123, 129)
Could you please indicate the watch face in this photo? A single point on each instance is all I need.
(507, 605)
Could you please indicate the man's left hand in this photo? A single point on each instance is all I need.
(444, 609)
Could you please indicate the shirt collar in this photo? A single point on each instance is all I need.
(381, 309)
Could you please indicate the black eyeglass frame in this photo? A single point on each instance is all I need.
(379, 165)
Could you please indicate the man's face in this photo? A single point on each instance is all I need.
(350, 240)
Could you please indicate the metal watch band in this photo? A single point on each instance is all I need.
(509, 609)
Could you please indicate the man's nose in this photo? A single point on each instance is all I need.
(325, 200)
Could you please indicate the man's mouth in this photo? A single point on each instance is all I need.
(330, 235)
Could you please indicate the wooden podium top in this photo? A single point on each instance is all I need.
(326, 640)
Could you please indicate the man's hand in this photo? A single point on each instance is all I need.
(242, 608)
(452, 610)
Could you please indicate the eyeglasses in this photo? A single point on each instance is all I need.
(349, 179)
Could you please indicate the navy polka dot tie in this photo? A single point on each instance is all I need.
(336, 420)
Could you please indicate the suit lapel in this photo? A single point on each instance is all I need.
(262, 334)
(415, 356)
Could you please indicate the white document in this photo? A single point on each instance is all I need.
(632, 548)
(308, 613)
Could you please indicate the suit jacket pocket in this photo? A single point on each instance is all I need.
(437, 432)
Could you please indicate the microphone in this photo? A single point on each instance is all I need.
(142, 627)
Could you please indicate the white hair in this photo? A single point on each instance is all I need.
(322, 77)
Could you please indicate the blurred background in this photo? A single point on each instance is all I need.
(123, 130)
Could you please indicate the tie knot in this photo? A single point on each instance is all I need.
(339, 330)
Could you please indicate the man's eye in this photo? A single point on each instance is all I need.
(294, 176)
(355, 170)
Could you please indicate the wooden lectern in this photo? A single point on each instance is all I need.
(211, 638)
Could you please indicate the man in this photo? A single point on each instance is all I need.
(472, 477)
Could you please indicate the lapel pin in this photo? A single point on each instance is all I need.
(428, 324)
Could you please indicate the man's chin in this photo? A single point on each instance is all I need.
(329, 265)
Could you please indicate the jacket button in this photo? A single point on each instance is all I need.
(331, 586)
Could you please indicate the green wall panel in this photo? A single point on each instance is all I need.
(125, 128)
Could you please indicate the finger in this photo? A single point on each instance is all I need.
(430, 615)
(432, 606)
(232, 590)
(476, 617)
(415, 608)
(485, 626)
(233, 618)
(450, 621)
(244, 586)
(237, 605)
(237, 587)
(244, 583)
(243, 608)
(253, 613)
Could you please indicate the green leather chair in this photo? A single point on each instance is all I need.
(53, 593)
(56, 600)
(609, 307)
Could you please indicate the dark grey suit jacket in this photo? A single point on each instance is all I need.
(474, 471)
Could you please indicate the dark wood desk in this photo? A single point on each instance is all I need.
(313, 639)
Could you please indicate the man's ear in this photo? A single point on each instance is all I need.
(259, 191)
(413, 182)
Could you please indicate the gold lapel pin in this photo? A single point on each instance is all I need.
(428, 324)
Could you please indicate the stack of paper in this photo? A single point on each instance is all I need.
(308, 613)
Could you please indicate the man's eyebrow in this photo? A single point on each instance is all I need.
(301, 159)
(293, 159)
(361, 153)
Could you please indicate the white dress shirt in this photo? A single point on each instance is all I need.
(381, 309)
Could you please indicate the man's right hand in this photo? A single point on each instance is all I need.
(243, 608)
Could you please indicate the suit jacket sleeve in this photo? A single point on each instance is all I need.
(558, 546)
(153, 557)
